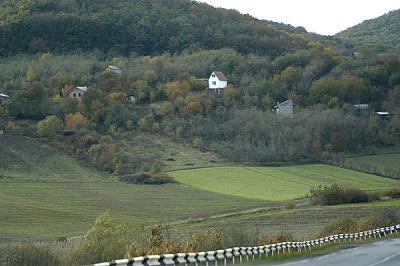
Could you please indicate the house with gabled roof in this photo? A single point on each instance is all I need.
(78, 92)
(4, 98)
(284, 109)
(114, 69)
(217, 82)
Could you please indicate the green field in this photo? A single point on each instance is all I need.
(44, 192)
(381, 162)
(277, 183)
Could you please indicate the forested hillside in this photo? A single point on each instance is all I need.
(380, 33)
(165, 49)
(135, 26)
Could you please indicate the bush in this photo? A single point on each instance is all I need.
(393, 192)
(147, 178)
(103, 242)
(340, 226)
(32, 255)
(289, 205)
(377, 220)
(208, 240)
(347, 225)
(283, 237)
(21, 128)
(49, 126)
(334, 195)
(234, 236)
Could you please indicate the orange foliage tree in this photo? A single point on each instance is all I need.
(72, 121)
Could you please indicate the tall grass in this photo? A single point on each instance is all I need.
(348, 225)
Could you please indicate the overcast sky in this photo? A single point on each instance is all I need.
(326, 17)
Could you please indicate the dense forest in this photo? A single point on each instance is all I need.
(164, 49)
(135, 26)
(381, 33)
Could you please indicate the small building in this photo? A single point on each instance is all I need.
(131, 99)
(383, 113)
(284, 109)
(4, 98)
(114, 69)
(78, 92)
(217, 82)
(361, 109)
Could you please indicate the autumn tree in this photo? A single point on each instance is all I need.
(49, 126)
(74, 121)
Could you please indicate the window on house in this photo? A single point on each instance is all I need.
(214, 83)
(74, 95)
(79, 94)
(213, 75)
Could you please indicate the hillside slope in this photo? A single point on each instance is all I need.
(44, 192)
(277, 183)
(138, 26)
(382, 32)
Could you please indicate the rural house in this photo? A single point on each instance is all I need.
(217, 82)
(284, 109)
(78, 92)
(361, 109)
(114, 69)
(4, 98)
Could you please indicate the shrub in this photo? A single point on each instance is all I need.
(49, 126)
(136, 249)
(264, 239)
(289, 205)
(377, 220)
(283, 237)
(347, 225)
(393, 192)
(340, 226)
(197, 143)
(334, 195)
(21, 128)
(32, 255)
(103, 242)
(208, 240)
(355, 196)
(239, 236)
(147, 178)
(74, 121)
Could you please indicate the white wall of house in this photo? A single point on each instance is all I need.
(77, 94)
(215, 83)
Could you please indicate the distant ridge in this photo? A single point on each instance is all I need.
(382, 32)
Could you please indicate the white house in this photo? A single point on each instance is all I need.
(114, 69)
(284, 109)
(78, 92)
(4, 98)
(217, 82)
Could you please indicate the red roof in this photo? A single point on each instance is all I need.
(220, 76)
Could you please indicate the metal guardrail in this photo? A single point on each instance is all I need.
(239, 254)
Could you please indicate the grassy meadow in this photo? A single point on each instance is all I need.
(304, 222)
(145, 149)
(46, 193)
(381, 162)
(277, 183)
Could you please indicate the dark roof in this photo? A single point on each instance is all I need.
(220, 76)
